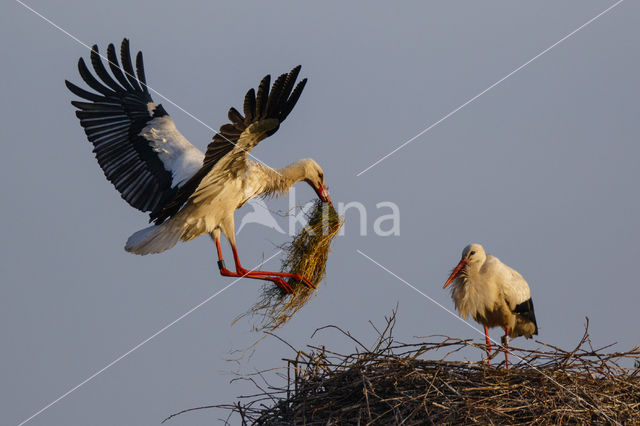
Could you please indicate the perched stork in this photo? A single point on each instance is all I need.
(494, 294)
(157, 170)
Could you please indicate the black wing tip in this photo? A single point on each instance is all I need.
(292, 100)
(142, 78)
(302, 83)
(127, 76)
(295, 70)
(276, 101)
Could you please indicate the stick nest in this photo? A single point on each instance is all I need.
(306, 255)
(393, 383)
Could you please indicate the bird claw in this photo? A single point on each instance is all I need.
(278, 278)
(282, 284)
(275, 277)
(303, 280)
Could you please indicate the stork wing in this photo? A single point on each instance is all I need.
(513, 286)
(516, 290)
(227, 154)
(135, 142)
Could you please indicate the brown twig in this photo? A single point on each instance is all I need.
(395, 383)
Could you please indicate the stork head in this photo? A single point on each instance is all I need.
(314, 176)
(472, 255)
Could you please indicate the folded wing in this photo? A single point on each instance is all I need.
(518, 295)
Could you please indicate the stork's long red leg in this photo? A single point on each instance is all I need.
(506, 347)
(254, 273)
(243, 273)
(486, 335)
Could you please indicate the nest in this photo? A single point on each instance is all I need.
(306, 255)
(393, 383)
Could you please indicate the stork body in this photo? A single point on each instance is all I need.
(260, 214)
(156, 169)
(494, 294)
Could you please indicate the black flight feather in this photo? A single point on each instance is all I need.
(249, 106)
(140, 71)
(262, 97)
(125, 56)
(115, 68)
(113, 119)
(101, 71)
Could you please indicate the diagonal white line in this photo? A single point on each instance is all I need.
(490, 87)
(482, 333)
(139, 345)
(148, 86)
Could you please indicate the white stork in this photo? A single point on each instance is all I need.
(157, 170)
(494, 294)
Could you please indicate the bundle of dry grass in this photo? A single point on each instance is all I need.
(306, 255)
(393, 383)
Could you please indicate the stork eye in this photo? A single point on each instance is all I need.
(321, 176)
(472, 253)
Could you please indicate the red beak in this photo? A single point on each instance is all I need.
(323, 194)
(456, 271)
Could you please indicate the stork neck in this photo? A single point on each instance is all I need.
(292, 174)
(281, 180)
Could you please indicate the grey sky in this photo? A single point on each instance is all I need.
(542, 170)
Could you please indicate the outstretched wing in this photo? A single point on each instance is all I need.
(228, 152)
(135, 142)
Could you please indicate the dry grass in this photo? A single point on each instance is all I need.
(306, 255)
(392, 383)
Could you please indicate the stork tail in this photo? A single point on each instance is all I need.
(154, 239)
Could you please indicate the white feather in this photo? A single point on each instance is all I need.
(177, 154)
(154, 239)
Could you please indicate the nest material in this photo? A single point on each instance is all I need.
(392, 383)
(306, 255)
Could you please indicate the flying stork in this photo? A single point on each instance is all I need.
(494, 294)
(157, 170)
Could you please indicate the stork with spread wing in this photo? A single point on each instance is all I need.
(158, 170)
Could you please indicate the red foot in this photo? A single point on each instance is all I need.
(248, 274)
(280, 283)
(297, 277)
